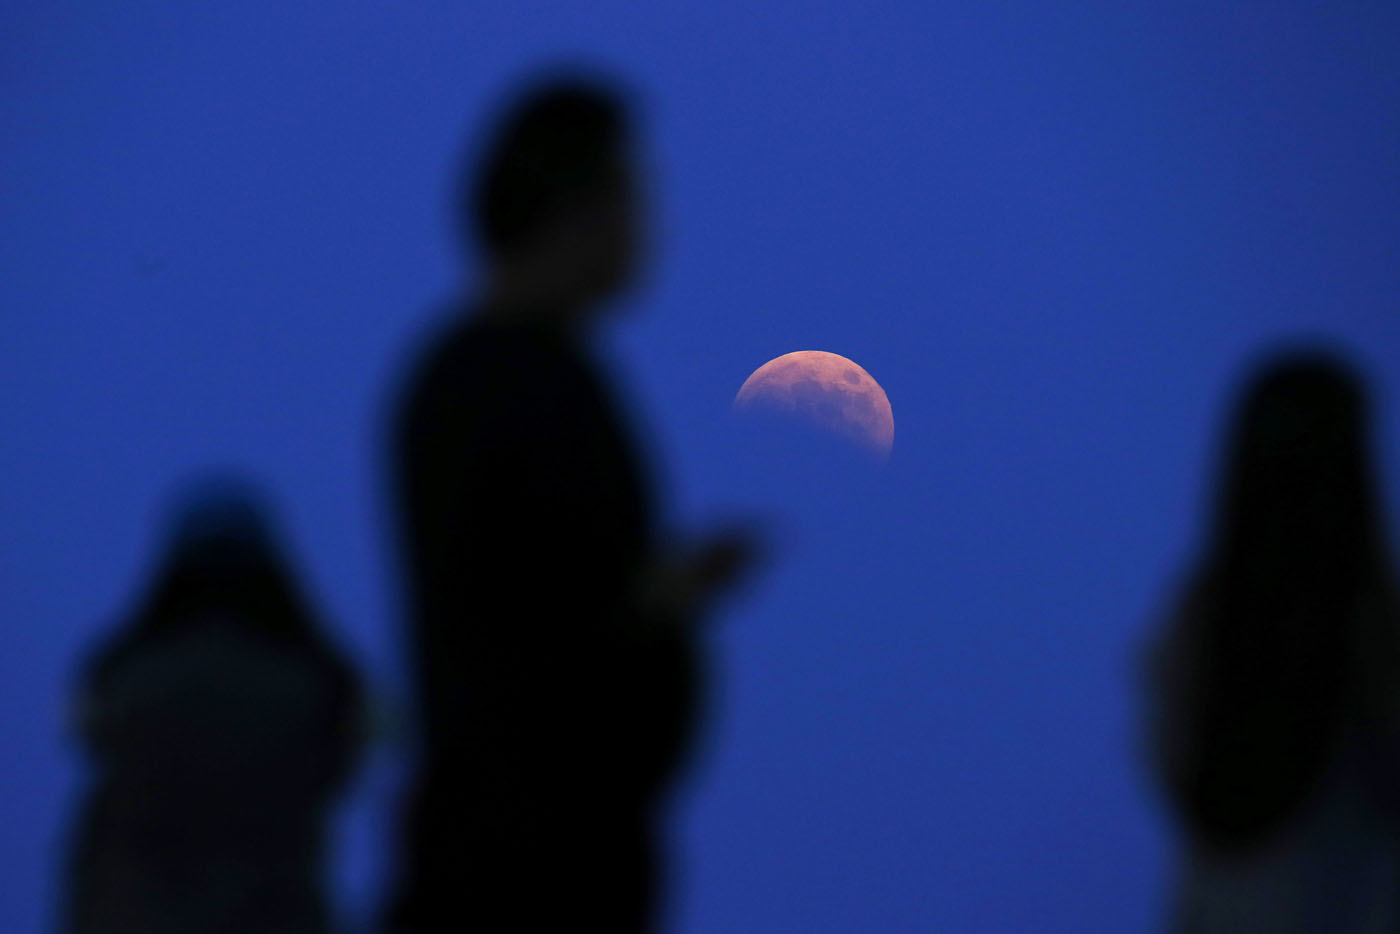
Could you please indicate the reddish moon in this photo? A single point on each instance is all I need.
(824, 389)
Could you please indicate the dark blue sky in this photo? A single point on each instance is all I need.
(1052, 231)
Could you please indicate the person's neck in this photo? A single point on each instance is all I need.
(530, 294)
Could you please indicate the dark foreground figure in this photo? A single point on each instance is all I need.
(554, 646)
(1277, 685)
(219, 725)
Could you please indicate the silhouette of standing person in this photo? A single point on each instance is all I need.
(219, 724)
(1276, 686)
(553, 643)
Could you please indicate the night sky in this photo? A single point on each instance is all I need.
(1055, 233)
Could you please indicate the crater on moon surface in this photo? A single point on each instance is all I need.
(826, 390)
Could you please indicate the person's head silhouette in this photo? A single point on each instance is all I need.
(555, 205)
(223, 559)
(1298, 490)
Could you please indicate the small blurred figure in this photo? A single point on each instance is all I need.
(219, 723)
(1276, 686)
(555, 645)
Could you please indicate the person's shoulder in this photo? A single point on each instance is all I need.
(438, 353)
(476, 350)
(442, 364)
(498, 376)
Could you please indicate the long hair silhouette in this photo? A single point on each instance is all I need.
(1296, 553)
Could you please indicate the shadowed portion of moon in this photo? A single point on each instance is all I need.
(824, 389)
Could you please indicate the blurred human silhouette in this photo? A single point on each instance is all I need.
(554, 644)
(1276, 686)
(219, 724)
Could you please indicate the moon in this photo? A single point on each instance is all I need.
(827, 390)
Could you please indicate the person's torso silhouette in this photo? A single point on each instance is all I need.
(552, 714)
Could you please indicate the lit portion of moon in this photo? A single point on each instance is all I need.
(827, 390)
